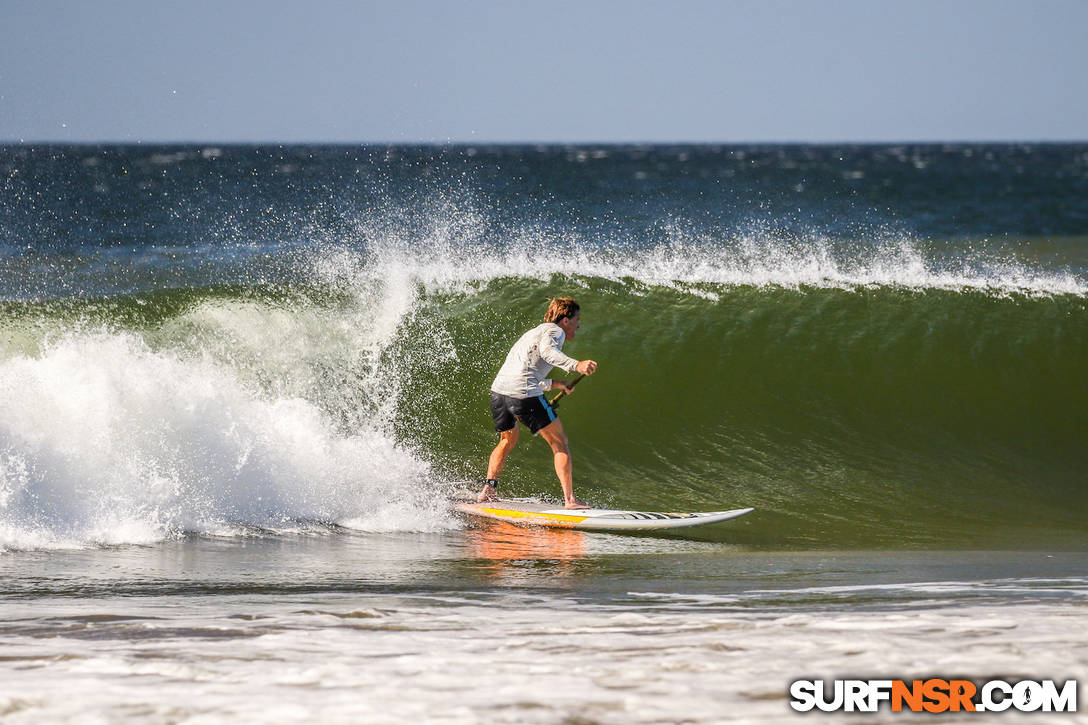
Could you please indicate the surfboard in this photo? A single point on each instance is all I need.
(542, 514)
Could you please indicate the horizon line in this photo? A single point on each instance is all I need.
(470, 143)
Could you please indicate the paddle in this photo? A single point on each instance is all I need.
(555, 401)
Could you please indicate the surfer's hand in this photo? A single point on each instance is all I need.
(587, 367)
(563, 385)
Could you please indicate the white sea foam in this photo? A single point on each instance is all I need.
(542, 664)
(104, 440)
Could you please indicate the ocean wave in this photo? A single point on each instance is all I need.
(870, 390)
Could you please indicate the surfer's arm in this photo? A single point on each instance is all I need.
(551, 353)
(563, 385)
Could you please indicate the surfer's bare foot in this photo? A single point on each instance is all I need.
(575, 504)
(489, 493)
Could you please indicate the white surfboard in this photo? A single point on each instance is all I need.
(542, 514)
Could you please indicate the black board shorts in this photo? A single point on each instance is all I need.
(535, 413)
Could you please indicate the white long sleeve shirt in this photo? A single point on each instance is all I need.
(530, 359)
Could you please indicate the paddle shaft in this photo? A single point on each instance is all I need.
(555, 400)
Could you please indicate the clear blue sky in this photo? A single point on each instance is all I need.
(508, 70)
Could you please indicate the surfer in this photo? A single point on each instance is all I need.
(517, 394)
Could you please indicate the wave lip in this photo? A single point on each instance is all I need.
(448, 256)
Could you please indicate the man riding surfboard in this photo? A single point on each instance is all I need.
(517, 394)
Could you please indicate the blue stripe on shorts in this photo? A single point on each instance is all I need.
(547, 407)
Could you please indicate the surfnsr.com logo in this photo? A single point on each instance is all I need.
(933, 695)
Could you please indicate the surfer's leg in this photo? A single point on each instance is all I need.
(507, 440)
(555, 436)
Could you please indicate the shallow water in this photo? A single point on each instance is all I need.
(510, 624)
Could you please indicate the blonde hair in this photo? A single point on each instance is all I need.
(561, 307)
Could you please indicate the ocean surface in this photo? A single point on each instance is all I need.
(239, 384)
